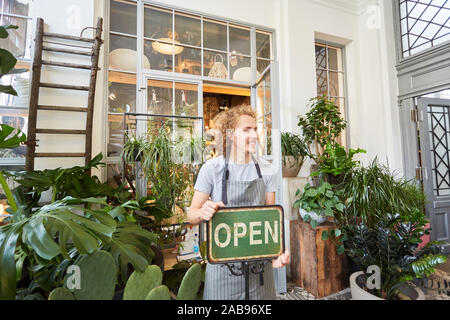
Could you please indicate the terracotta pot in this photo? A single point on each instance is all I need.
(359, 293)
(291, 167)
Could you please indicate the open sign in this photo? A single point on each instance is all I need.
(245, 233)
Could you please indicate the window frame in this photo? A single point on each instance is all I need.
(140, 71)
(345, 107)
(398, 39)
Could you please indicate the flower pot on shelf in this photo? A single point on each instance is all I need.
(291, 166)
(357, 284)
(320, 218)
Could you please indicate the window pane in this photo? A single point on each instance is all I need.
(336, 84)
(214, 35)
(121, 92)
(186, 99)
(188, 30)
(21, 83)
(157, 23)
(116, 133)
(17, 38)
(261, 65)
(241, 68)
(321, 57)
(16, 7)
(240, 40)
(322, 82)
(123, 17)
(159, 97)
(263, 45)
(189, 61)
(215, 65)
(158, 55)
(335, 59)
(122, 54)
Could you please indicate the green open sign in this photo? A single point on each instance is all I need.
(245, 234)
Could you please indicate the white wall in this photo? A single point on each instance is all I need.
(65, 17)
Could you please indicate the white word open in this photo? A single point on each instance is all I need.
(240, 230)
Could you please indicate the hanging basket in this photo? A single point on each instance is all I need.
(218, 69)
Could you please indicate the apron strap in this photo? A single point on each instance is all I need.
(226, 175)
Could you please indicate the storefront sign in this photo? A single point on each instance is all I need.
(244, 234)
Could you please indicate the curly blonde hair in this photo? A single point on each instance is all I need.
(227, 120)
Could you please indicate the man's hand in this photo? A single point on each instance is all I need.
(282, 260)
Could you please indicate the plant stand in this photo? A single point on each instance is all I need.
(245, 269)
(315, 263)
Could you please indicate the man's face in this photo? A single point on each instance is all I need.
(245, 137)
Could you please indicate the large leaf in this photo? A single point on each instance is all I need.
(35, 235)
(8, 239)
(130, 244)
(7, 141)
(7, 61)
(4, 33)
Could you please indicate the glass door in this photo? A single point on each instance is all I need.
(175, 103)
(265, 100)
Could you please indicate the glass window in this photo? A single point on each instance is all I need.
(239, 40)
(188, 30)
(123, 17)
(263, 45)
(159, 55)
(19, 40)
(186, 99)
(160, 97)
(424, 24)
(121, 99)
(240, 68)
(215, 64)
(158, 23)
(330, 76)
(215, 35)
(189, 61)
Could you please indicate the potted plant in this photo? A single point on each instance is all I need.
(334, 163)
(293, 150)
(391, 244)
(317, 204)
(322, 125)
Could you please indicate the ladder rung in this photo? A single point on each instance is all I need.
(67, 37)
(58, 108)
(60, 131)
(63, 86)
(83, 53)
(59, 155)
(66, 65)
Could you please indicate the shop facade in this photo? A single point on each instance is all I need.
(169, 59)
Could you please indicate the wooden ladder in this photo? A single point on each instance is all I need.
(94, 45)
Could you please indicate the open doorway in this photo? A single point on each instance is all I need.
(218, 98)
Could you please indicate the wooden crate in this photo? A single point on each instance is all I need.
(315, 264)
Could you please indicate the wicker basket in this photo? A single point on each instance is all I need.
(218, 69)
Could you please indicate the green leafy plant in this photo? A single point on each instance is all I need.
(73, 182)
(168, 176)
(322, 125)
(372, 191)
(48, 238)
(9, 138)
(293, 145)
(7, 61)
(335, 160)
(392, 245)
(321, 200)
